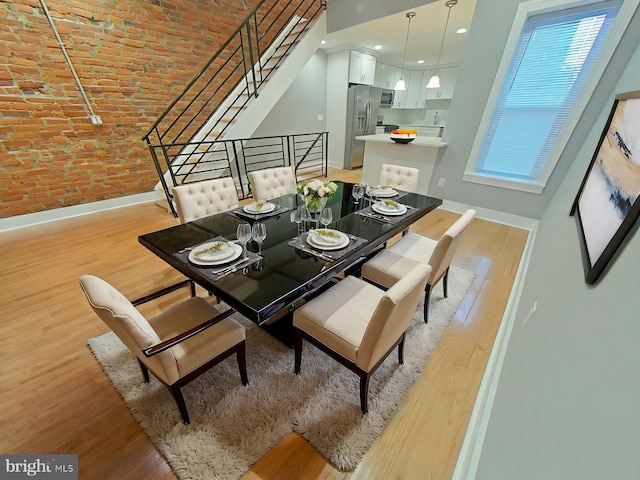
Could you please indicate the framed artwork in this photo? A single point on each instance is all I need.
(607, 204)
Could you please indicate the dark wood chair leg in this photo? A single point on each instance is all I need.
(145, 371)
(364, 392)
(241, 354)
(445, 282)
(297, 345)
(177, 396)
(427, 294)
(401, 351)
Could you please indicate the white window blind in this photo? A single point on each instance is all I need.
(553, 59)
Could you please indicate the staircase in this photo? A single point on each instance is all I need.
(202, 133)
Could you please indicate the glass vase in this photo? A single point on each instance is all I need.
(315, 205)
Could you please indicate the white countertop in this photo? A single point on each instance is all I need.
(419, 141)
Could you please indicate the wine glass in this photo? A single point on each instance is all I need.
(357, 192)
(306, 216)
(243, 234)
(299, 216)
(326, 217)
(259, 233)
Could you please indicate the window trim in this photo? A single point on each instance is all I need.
(526, 10)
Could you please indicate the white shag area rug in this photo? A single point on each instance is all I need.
(233, 426)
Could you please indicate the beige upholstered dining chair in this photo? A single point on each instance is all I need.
(195, 200)
(402, 178)
(177, 345)
(272, 182)
(392, 263)
(359, 324)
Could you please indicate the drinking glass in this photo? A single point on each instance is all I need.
(357, 192)
(299, 217)
(326, 217)
(306, 217)
(259, 233)
(243, 234)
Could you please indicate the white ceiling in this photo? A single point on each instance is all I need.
(425, 35)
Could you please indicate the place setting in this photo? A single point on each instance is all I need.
(384, 191)
(258, 209)
(386, 210)
(326, 243)
(219, 257)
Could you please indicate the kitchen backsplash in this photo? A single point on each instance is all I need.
(414, 117)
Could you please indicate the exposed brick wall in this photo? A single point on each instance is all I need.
(133, 57)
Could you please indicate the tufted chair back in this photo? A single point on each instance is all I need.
(272, 182)
(195, 200)
(447, 244)
(402, 178)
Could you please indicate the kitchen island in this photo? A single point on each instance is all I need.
(421, 153)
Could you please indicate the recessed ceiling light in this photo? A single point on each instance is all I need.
(420, 61)
(378, 47)
(323, 42)
(461, 30)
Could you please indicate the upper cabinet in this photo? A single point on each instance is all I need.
(387, 75)
(418, 95)
(362, 68)
(414, 89)
(448, 77)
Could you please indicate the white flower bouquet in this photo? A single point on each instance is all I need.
(316, 192)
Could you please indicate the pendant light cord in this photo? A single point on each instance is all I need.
(449, 3)
(410, 15)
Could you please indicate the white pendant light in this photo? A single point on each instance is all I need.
(434, 81)
(400, 84)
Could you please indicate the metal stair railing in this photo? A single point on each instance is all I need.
(308, 152)
(217, 94)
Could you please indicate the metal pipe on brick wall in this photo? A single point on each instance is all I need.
(95, 119)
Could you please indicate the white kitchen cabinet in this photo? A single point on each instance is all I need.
(362, 68)
(414, 90)
(449, 83)
(448, 77)
(386, 75)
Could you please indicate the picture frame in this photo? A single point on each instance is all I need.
(607, 205)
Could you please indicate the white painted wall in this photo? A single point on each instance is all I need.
(298, 109)
(337, 93)
(566, 405)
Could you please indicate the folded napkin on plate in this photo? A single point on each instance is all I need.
(216, 272)
(300, 243)
(240, 213)
(381, 217)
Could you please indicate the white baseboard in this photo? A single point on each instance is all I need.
(31, 219)
(493, 215)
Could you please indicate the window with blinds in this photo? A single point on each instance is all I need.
(553, 58)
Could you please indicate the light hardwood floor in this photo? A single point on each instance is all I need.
(56, 399)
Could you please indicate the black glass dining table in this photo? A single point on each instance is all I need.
(286, 275)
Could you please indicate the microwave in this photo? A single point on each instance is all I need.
(387, 98)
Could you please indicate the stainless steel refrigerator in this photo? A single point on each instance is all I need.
(363, 104)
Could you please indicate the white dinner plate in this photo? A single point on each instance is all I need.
(382, 192)
(385, 210)
(316, 241)
(207, 260)
(266, 208)
(335, 239)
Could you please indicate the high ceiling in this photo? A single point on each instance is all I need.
(425, 35)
